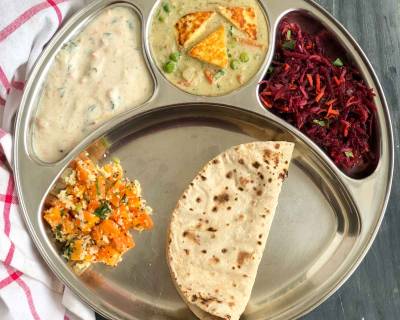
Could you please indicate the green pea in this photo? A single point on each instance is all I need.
(170, 67)
(174, 56)
(244, 57)
(234, 64)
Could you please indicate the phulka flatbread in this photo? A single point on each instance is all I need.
(212, 49)
(220, 227)
(191, 25)
(243, 18)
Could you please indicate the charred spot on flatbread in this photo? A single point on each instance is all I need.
(191, 25)
(212, 49)
(243, 18)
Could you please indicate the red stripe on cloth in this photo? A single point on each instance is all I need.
(6, 214)
(10, 279)
(4, 80)
(66, 317)
(27, 292)
(2, 101)
(29, 298)
(2, 133)
(19, 85)
(7, 205)
(57, 10)
(14, 25)
(10, 255)
(4, 198)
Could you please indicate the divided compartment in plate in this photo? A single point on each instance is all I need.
(316, 225)
(334, 48)
(54, 53)
(162, 38)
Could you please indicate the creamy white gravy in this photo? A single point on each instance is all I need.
(97, 75)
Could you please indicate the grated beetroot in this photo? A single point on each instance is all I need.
(323, 97)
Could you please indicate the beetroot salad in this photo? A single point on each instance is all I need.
(322, 96)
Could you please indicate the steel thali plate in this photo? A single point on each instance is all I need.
(325, 221)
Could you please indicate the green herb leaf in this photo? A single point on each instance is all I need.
(68, 250)
(321, 123)
(349, 154)
(219, 74)
(58, 232)
(230, 32)
(124, 199)
(270, 70)
(338, 63)
(166, 7)
(289, 35)
(289, 44)
(130, 24)
(103, 211)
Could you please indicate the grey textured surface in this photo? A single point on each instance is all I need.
(372, 292)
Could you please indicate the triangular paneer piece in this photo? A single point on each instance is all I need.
(191, 25)
(220, 227)
(243, 18)
(212, 49)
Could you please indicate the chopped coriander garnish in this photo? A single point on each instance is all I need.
(166, 7)
(270, 70)
(289, 44)
(349, 154)
(130, 24)
(338, 63)
(103, 211)
(124, 199)
(161, 18)
(321, 123)
(230, 32)
(68, 250)
(58, 231)
(289, 35)
(219, 74)
(107, 34)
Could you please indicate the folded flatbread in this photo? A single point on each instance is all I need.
(220, 226)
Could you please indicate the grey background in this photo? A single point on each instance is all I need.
(372, 292)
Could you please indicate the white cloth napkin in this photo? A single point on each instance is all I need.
(28, 289)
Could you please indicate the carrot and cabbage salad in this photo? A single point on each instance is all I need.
(92, 213)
